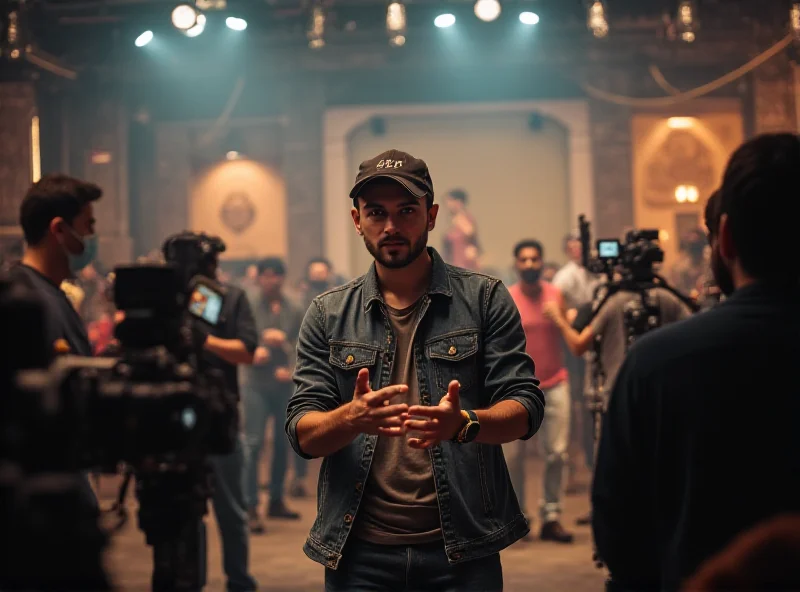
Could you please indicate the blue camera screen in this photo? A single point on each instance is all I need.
(608, 249)
(206, 304)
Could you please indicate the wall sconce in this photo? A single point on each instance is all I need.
(687, 194)
(680, 122)
(36, 153)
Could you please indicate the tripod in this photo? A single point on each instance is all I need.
(172, 504)
(596, 404)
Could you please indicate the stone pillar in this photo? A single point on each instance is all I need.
(167, 207)
(774, 97)
(105, 162)
(302, 167)
(17, 108)
(612, 156)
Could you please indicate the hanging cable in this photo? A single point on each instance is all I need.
(658, 76)
(213, 132)
(688, 95)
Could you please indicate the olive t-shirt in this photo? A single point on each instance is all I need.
(400, 506)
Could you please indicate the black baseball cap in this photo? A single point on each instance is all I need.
(412, 173)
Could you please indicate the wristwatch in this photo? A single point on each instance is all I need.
(469, 430)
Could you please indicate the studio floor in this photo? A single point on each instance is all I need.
(278, 563)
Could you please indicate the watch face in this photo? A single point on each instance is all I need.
(472, 431)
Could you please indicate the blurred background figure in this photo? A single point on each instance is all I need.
(267, 388)
(688, 273)
(461, 246)
(549, 271)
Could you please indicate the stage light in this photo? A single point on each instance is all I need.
(528, 18)
(185, 16)
(794, 20)
(237, 24)
(487, 10)
(444, 20)
(596, 19)
(198, 28)
(687, 22)
(396, 24)
(316, 28)
(143, 39)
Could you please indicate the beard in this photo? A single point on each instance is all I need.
(722, 274)
(397, 256)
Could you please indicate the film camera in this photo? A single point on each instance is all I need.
(155, 407)
(629, 267)
(633, 259)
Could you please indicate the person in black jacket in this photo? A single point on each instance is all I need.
(700, 441)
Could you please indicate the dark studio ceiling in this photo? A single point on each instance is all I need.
(85, 33)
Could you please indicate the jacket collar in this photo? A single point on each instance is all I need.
(440, 281)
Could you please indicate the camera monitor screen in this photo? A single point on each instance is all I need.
(206, 303)
(608, 249)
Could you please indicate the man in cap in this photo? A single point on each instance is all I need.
(408, 381)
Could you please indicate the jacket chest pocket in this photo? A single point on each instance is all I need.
(347, 359)
(455, 357)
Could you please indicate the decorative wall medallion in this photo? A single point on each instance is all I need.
(238, 212)
(682, 159)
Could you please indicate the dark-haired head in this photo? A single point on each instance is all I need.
(274, 265)
(456, 200)
(528, 243)
(529, 261)
(57, 220)
(271, 275)
(52, 198)
(318, 271)
(757, 213)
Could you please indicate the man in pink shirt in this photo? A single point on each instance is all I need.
(531, 294)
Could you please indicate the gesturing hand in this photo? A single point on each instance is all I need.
(273, 337)
(370, 411)
(552, 310)
(441, 423)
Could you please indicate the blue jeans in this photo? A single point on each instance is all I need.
(261, 404)
(229, 509)
(413, 568)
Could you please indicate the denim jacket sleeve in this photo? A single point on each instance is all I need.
(315, 387)
(509, 370)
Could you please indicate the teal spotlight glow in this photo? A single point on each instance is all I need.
(444, 20)
(237, 24)
(143, 39)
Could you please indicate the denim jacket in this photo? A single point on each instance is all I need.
(469, 331)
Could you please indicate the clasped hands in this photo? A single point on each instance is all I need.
(371, 412)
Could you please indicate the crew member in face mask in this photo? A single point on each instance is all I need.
(58, 225)
(543, 339)
(320, 278)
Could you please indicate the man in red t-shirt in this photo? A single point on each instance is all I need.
(544, 345)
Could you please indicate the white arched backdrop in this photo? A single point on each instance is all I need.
(341, 124)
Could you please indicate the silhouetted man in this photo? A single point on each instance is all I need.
(700, 441)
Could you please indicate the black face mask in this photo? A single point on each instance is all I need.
(530, 276)
(317, 286)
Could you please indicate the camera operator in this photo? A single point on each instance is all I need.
(700, 441)
(609, 325)
(228, 344)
